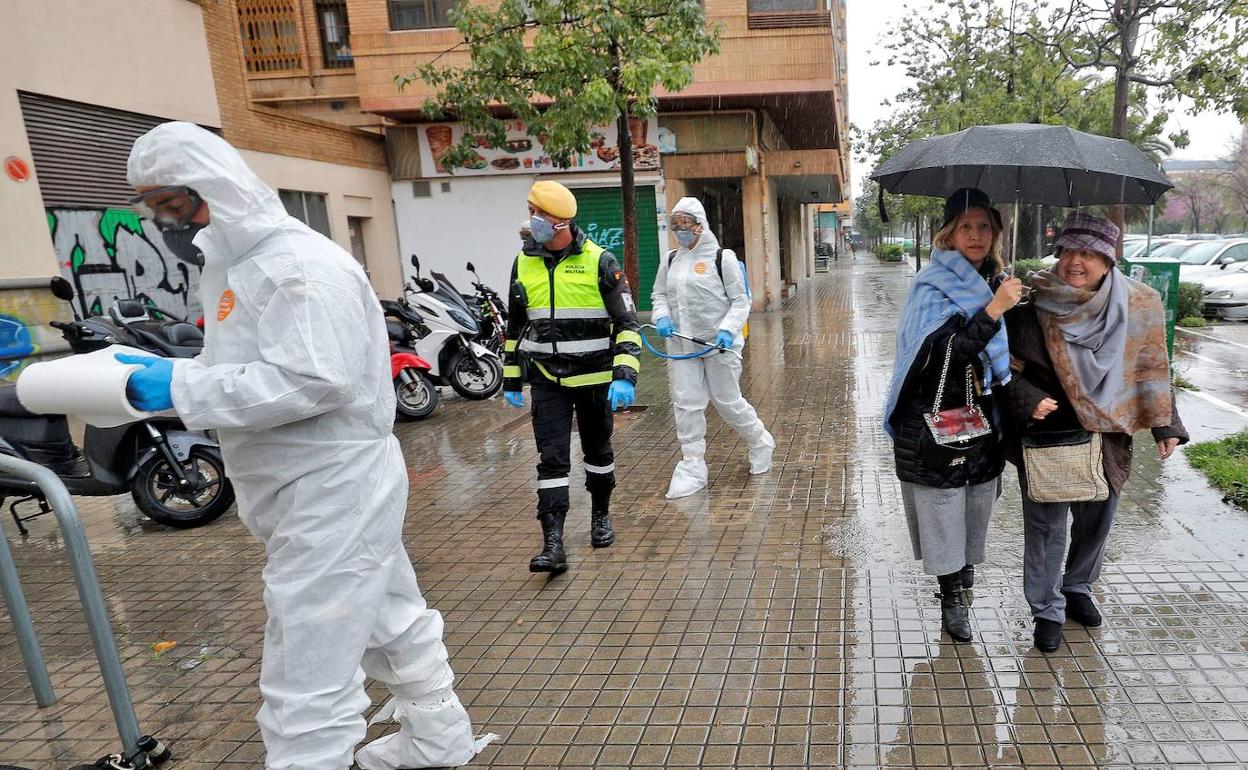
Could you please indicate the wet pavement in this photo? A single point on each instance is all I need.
(773, 621)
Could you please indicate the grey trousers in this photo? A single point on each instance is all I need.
(948, 527)
(1048, 569)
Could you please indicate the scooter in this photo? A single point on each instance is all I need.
(176, 477)
(414, 392)
(441, 331)
(490, 312)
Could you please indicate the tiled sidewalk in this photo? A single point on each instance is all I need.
(771, 622)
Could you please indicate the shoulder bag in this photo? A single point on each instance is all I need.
(1064, 466)
(953, 433)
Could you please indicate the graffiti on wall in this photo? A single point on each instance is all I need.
(114, 254)
(24, 330)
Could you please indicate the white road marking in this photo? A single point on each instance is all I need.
(1211, 337)
(1218, 402)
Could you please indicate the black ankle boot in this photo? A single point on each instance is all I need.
(954, 617)
(600, 533)
(968, 577)
(552, 558)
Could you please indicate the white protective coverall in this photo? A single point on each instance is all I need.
(295, 377)
(700, 304)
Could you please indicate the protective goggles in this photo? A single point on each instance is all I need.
(170, 207)
(683, 222)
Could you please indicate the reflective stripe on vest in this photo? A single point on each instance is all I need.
(595, 345)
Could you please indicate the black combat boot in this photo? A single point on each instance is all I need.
(552, 558)
(968, 577)
(600, 533)
(954, 617)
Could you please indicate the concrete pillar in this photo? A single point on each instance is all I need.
(754, 203)
(675, 189)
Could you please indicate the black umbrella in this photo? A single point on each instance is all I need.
(1026, 163)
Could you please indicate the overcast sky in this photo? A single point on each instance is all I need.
(868, 86)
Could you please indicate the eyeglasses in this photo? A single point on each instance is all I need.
(170, 207)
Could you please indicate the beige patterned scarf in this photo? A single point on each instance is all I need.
(1108, 349)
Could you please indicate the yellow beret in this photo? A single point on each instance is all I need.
(553, 198)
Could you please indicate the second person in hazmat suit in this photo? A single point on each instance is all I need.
(700, 291)
(295, 379)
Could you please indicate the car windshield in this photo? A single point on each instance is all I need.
(1171, 250)
(1201, 253)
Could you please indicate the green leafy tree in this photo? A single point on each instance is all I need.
(563, 67)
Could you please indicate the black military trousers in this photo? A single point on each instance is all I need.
(552, 412)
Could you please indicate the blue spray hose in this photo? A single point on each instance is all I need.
(710, 347)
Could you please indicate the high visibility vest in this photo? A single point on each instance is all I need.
(568, 318)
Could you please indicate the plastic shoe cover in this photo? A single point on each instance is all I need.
(689, 477)
(438, 734)
(760, 455)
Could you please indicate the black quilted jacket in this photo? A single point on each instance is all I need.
(919, 391)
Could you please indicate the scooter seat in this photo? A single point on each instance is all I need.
(183, 334)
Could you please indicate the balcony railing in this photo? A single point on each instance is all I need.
(270, 35)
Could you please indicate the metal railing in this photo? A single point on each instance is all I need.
(139, 751)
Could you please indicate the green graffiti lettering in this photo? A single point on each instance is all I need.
(113, 220)
(77, 257)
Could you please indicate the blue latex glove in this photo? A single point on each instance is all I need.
(621, 393)
(514, 398)
(149, 388)
(724, 339)
(665, 326)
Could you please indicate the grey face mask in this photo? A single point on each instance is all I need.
(180, 243)
(686, 238)
(541, 229)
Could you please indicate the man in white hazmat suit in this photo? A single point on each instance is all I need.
(700, 292)
(295, 378)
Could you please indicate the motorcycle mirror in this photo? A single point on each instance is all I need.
(471, 269)
(61, 289)
(416, 263)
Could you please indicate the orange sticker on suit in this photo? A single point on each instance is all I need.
(700, 268)
(226, 305)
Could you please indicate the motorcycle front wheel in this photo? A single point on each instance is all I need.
(155, 489)
(414, 400)
(475, 378)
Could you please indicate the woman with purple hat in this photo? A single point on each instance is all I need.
(951, 355)
(1091, 369)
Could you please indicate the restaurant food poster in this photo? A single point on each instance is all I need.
(523, 154)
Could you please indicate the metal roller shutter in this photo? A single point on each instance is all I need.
(80, 150)
(600, 213)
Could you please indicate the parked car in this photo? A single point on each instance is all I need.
(1205, 259)
(1226, 296)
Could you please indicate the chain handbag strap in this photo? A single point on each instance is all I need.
(944, 375)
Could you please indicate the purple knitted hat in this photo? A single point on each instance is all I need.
(1089, 233)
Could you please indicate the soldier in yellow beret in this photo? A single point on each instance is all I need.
(572, 333)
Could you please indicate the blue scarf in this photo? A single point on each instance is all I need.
(948, 286)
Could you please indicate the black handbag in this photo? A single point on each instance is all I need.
(951, 437)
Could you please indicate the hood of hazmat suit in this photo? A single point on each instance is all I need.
(295, 378)
(700, 303)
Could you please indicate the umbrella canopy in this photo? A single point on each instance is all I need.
(1026, 163)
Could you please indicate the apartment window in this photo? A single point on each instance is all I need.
(331, 20)
(786, 6)
(780, 14)
(308, 207)
(270, 35)
(420, 14)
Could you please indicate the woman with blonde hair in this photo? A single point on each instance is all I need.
(952, 354)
